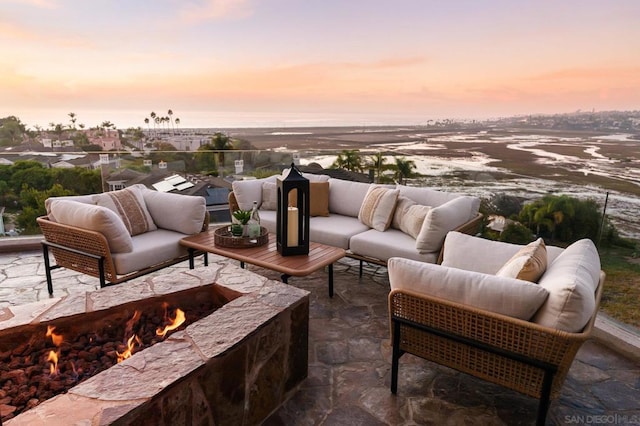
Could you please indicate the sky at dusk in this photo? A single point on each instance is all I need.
(228, 63)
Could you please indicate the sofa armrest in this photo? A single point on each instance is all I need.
(80, 241)
(233, 203)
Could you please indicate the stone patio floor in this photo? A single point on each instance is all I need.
(349, 361)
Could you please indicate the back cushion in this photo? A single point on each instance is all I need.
(440, 220)
(571, 280)
(507, 296)
(176, 212)
(248, 191)
(434, 198)
(94, 218)
(426, 196)
(346, 197)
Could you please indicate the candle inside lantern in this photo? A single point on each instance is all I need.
(292, 226)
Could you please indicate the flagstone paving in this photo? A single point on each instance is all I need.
(349, 362)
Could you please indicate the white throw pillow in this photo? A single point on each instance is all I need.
(129, 204)
(506, 296)
(377, 208)
(94, 218)
(413, 219)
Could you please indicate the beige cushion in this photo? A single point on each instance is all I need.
(377, 208)
(176, 212)
(94, 218)
(248, 191)
(528, 264)
(129, 204)
(346, 197)
(269, 196)
(507, 296)
(402, 205)
(318, 198)
(413, 219)
(442, 219)
(571, 279)
(468, 252)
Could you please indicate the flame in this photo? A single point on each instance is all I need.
(53, 359)
(131, 344)
(174, 323)
(55, 338)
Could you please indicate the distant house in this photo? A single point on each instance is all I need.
(107, 139)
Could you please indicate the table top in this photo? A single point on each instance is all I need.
(267, 255)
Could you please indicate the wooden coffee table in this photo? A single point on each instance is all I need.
(267, 256)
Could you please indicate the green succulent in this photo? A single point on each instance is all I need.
(242, 216)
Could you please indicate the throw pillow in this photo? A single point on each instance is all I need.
(413, 219)
(94, 218)
(318, 198)
(129, 204)
(378, 207)
(402, 205)
(528, 264)
(269, 196)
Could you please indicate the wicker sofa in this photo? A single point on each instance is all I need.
(466, 315)
(338, 220)
(119, 235)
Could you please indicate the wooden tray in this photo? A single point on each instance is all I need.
(222, 237)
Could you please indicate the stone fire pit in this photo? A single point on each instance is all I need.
(234, 367)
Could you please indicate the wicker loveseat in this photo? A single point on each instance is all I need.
(119, 235)
(518, 334)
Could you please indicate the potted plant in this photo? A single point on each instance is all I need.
(240, 220)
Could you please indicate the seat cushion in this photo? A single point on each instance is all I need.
(572, 280)
(334, 230)
(150, 249)
(129, 204)
(387, 244)
(506, 296)
(93, 218)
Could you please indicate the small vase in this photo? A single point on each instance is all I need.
(237, 230)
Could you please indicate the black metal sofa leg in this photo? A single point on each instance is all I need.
(395, 357)
(47, 268)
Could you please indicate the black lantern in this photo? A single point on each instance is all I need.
(292, 216)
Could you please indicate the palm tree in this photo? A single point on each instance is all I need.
(72, 116)
(404, 169)
(153, 118)
(221, 143)
(146, 121)
(170, 113)
(377, 163)
(348, 159)
(177, 121)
